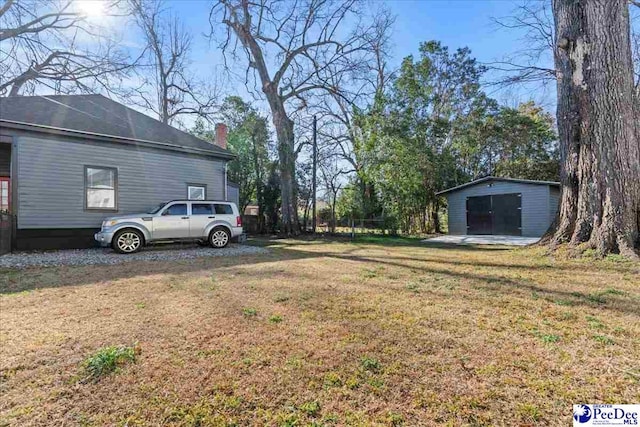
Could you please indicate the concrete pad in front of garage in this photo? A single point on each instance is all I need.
(483, 240)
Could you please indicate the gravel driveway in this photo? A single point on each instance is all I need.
(95, 256)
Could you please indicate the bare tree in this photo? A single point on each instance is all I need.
(598, 127)
(533, 63)
(304, 173)
(292, 48)
(167, 86)
(51, 43)
(331, 173)
(356, 91)
(359, 91)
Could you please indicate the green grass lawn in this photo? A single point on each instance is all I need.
(380, 331)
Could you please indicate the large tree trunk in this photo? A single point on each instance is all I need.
(598, 125)
(286, 155)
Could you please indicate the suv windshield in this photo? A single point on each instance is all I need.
(157, 208)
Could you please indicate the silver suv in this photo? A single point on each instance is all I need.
(206, 222)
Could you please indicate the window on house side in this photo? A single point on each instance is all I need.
(196, 192)
(100, 188)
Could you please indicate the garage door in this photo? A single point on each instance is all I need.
(497, 214)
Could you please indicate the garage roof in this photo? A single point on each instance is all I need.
(495, 178)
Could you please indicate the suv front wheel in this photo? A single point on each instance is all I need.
(127, 241)
(219, 237)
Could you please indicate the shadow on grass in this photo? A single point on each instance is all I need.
(390, 241)
(13, 281)
(613, 301)
(386, 241)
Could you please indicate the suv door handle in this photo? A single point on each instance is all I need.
(212, 217)
(185, 217)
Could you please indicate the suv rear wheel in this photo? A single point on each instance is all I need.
(219, 237)
(127, 241)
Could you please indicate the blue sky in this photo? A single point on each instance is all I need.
(460, 23)
(456, 23)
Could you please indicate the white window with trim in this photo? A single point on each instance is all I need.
(101, 185)
(196, 192)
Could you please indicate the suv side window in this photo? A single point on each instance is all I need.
(223, 209)
(201, 209)
(177, 209)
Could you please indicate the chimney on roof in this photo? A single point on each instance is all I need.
(221, 135)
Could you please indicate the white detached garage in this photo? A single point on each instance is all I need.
(502, 206)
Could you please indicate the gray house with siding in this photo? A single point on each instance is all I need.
(70, 161)
(502, 206)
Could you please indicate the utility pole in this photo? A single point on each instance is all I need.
(315, 168)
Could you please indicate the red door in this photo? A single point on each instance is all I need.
(5, 194)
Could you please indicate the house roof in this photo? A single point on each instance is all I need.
(98, 117)
(495, 178)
